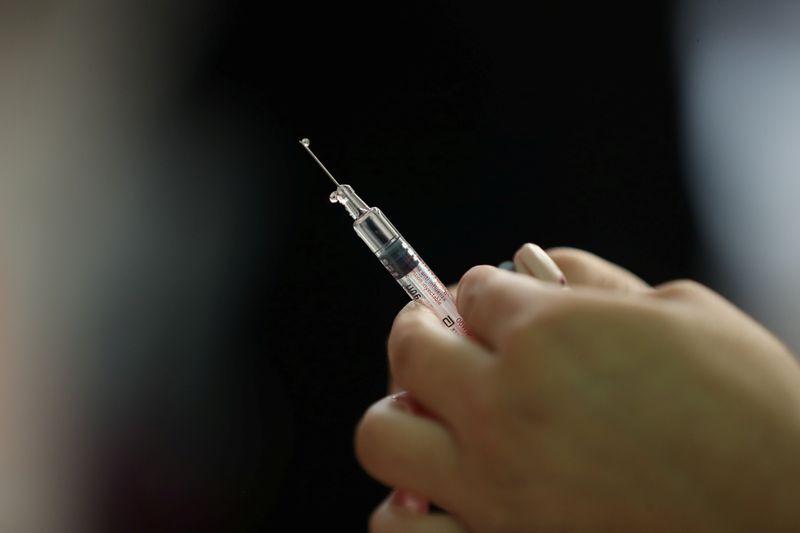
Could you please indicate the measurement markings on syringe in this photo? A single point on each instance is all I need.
(428, 284)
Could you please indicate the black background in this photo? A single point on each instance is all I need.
(476, 127)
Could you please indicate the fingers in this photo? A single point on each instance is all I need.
(394, 387)
(406, 451)
(393, 517)
(437, 367)
(585, 269)
(493, 301)
(532, 260)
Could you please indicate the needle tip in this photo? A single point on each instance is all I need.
(306, 144)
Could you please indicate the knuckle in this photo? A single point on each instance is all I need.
(477, 274)
(549, 328)
(554, 317)
(682, 289)
(474, 278)
(569, 259)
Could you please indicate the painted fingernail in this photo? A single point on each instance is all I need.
(532, 260)
(506, 265)
(409, 502)
(406, 402)
(401, 400)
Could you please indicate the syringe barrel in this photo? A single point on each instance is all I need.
(405, 266)
(375, 229)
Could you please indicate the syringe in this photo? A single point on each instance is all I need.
(395, 254)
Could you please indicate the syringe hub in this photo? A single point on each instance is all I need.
(345, 195)
(369, 222)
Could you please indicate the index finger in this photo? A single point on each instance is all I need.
(493, 302)
(393, 387)
(438, 367)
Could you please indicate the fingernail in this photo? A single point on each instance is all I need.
(405, 402)
(506, 265)
(401, 401)
(409, 502)
(531, 259)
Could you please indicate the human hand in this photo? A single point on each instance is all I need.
(625, 408)
(530, 259)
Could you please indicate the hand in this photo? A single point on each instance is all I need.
(624, 408)
(530, 259)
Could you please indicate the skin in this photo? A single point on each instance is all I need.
(612, 406)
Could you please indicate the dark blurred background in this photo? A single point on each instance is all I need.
(214, 326)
